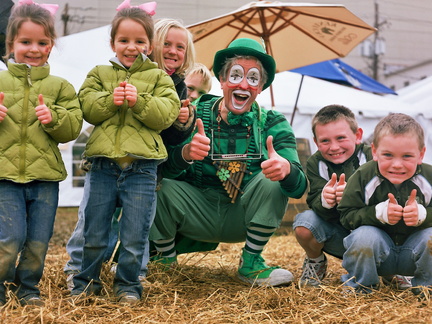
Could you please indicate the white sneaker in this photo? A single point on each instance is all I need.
(113, 268)
(397, 282)
(128, 299)
(69, 281)
(313, 272)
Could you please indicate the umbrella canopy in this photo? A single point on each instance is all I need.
(340, 72)
(295, 34)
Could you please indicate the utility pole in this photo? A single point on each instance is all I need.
(375, 54)
(65, 18)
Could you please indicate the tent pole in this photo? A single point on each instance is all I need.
(298, 95)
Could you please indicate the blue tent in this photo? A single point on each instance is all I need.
(339, 72)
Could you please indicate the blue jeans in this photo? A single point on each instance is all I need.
(27, 214)
(330, 234)
(75, 245)
(370, 253)
(133, 189)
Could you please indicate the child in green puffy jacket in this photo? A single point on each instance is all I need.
(130, 103)
(37, 112)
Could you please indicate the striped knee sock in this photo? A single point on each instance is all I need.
(257, 237)
(166, 247)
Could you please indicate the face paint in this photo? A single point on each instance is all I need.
(142, 49)
(253, 77)
(236, 76)
(242, 85)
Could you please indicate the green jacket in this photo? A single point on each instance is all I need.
(28, 149)
(367, 188)
(319, 172)
(237, 139)
(119, 130)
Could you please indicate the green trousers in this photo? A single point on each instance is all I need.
(208, 216)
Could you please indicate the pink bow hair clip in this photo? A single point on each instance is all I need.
(52, 8)
(149, 7)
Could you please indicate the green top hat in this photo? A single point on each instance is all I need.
(249, 47)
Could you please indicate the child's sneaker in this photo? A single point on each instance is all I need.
(313, 272)
(397, 281)
(128, 299)
(254, 270)
(32, 300)
(69, 281)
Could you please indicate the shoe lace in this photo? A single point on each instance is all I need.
(258, 264)
(310, 271)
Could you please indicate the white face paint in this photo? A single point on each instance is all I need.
(242, 85)
(236, 75)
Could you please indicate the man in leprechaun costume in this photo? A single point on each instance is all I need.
(231, 181)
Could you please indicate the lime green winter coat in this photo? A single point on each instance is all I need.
(28, 149)
(122, 130)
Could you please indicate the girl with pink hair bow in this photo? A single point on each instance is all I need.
(37, 112)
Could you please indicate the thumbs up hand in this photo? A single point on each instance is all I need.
(276, 168)
(394, 210)
(340, 187)
(410, 211)
(42, 111)
(131, 94)
(184, 112)
(120, 94)
(329, 191)
(3, 109)
(199, 147)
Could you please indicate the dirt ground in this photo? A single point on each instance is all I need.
(204, 288)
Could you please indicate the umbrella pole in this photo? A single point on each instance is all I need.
(298, 95)
(272, 97)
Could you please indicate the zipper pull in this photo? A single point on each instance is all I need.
(29, 77)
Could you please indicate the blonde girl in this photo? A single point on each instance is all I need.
(174, 52)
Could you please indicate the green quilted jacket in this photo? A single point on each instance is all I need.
(122, 131)
(28, 149)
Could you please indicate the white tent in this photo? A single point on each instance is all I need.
(75, 55)
(72, 58)
(419, 95)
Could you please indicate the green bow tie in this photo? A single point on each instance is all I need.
(245, 119)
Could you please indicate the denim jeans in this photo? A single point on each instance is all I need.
(75, 245)
(133, 189)
(330, 234)
(27, 214)
(370, 253)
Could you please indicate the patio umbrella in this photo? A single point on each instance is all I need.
(339, 72)
(295, 34)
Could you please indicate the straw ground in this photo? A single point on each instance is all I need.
(204, 289)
